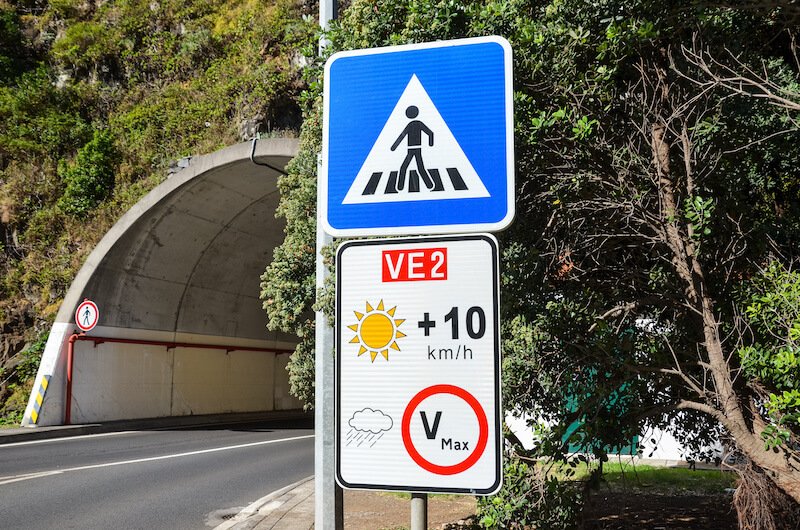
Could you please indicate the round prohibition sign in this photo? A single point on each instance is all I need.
(483, 429)
(87, 315)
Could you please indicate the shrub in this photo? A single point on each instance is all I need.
(531, 498)
(10, 42)
(90, 179)
(87, 47)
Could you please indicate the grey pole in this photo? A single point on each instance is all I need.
(419, 511)
(328, 509)
(327, 495)
(328, 10)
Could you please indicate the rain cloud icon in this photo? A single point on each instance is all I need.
(367, 426)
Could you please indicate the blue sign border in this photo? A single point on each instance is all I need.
(470, 82)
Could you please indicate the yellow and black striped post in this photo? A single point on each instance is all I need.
(37, 407)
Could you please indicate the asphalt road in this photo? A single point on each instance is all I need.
(183, 478)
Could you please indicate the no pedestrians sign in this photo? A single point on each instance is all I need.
(87, 315)
(418, 365)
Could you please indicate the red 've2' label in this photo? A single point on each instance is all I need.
(414, 265)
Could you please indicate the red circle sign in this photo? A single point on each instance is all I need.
(483, 429)
(87, 315)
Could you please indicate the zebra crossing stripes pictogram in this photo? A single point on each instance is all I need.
(415, 157)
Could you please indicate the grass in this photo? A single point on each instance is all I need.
(11, 422)
(673, 480)
(642, 478)
(629, 476)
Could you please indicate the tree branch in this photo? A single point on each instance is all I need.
(702, 407)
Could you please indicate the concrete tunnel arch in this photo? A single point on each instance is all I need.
(175, 277)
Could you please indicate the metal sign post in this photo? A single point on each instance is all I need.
(329, 513)
(328, 502)
(419, 511)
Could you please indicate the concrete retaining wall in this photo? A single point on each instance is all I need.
(114, 381)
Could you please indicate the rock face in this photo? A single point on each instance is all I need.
(16, 321)
(250, 127)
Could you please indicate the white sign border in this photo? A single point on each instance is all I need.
(499, 444)
(322, 180)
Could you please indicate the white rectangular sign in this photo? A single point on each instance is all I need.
(418, 365)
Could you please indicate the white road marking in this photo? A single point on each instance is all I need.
(29, 476)
(66, 438)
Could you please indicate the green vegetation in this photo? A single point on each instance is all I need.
(96, 100)
(658, 214)
(532, 495)
(549, 496)
(20, 389)
(773, 358)
(656, 147)
(515, 506)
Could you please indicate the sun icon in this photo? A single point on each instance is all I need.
(376, 331)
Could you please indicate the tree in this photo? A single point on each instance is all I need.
(656, 148)
(660, 187)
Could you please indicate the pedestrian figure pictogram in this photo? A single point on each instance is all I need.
(413, 132)
(432, 154)
(86, 317)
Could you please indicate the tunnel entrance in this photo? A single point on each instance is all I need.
(177, 282)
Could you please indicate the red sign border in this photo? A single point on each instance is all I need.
(483, 430)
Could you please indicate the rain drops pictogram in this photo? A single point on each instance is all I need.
(377, 331)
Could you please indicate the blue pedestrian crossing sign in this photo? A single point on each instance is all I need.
(418, 139)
